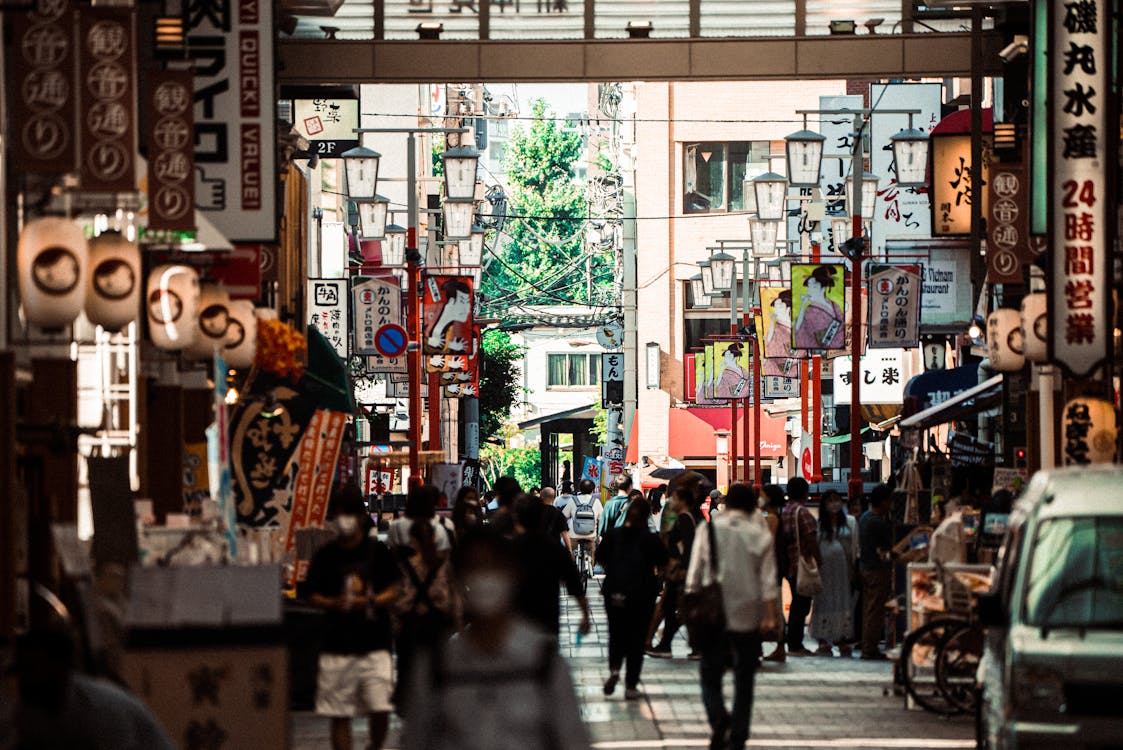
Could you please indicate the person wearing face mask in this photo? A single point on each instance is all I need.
(354, 578)
(545, 565)
(466, 511)
(500, 684)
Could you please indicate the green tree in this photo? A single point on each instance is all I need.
(524, 464)
(499, 381)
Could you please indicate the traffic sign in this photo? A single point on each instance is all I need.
(391, 340)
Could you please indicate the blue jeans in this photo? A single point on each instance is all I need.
(745, 648)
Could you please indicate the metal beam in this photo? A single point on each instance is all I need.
(317, 61)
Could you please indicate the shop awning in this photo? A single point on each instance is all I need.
(840, 439)
(967, 403)
(692, 432)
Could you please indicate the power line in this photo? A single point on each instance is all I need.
(592, 118)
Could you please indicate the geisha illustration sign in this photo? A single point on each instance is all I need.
(731, 370)
(818, 306)
(1080, 156)
(448, 302)
(774, 328)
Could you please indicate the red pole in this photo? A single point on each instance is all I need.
(757, 469)
(855, 484)
(435, 411)
(413, 357)
(804, 401)
(816, 426)
(733, 453)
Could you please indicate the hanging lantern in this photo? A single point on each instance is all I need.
(771, 191)
(1089, 431)
(241, 334)
(172, 304)
(113, 287)
(52, 260)
(214, 319)
(265, 313)
(805, 157)
(1035, 327)
(1004, 340)
(868, 186)
(910, 157)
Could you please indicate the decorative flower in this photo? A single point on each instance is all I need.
(280, 349)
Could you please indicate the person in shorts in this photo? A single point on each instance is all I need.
(355, 579)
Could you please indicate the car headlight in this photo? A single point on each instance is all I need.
(1038, 689)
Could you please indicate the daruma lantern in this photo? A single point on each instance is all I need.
(52, 259)
(1004, 340)
(1035, 327)
(241, 334)
(214, 319)
(1089, 431)
(172, 306)
(113, 286)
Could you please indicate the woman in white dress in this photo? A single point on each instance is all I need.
(832, 612)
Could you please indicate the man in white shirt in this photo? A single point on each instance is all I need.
(583, 512)
(746, 570)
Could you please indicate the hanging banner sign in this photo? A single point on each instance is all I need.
(376, 303)
(883, 376)
(777, 387)
(894, 294)
(327, 311)
(731, 370)
(231, 50)
(819, 297)
(612, 378)
(1080, 155)
(107, 99)
(1008, 224)
(464, 383)
(954, 182)
(41, 78)
(171, 152)
(591, 469)
(328, 124)
(315, 461)
(448, 324)
(774, 328)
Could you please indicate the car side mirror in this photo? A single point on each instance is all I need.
(992, 611)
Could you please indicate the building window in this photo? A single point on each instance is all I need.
(696, 331)
(572, 370)
(714, 174)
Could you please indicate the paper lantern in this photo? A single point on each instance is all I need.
(1089, 431)
(265, 313)
(172, 305)
(1035, 327)
(113, 287)
(52, 259)
(214, 319)
(241, 334)
(1004, 340)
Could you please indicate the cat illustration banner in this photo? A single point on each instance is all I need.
(818, 306)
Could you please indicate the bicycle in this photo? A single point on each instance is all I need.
(584, 561)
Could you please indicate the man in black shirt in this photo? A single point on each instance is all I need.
(875, 538)
(355, 579)
(553, 522)
(545, 564)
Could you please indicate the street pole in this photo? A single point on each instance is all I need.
(733, 454)
(745, 320)
(857, 171)
(758, 361)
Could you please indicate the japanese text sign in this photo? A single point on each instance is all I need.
(171, 152)
(375, 303)
(774, 328)
(1080, 154)
(954, 183)
(894, 307)
(883, 376)
(107, 99)
(1007, 223)
(327, 311)
(328, 124)
(612, 378)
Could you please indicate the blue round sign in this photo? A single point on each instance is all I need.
(391, 340)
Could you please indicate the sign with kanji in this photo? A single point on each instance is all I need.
(894, 307)
(612, 378)
(954, 182)
(376, 303)
(883, 374)
(731, 370)
(448, 322)
(107, 99)
(591, 469)
(327, 311)
(328, 124)
(1008, 244)
(774, 328)
(1081, 131)
(171, 153)
(779, 387)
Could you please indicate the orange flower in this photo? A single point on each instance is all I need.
(280, 349)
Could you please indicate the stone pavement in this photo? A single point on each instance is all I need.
(809, 703)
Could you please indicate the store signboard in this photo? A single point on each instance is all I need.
(1008, 245)
(107, 99)
(1081, 231)
(883, 374)
(327, 311)
(41, 82)
(612, 379)
(328, 124)
(376, 302)
(945, 289)
(955, 183)
(894, 307)
(170, 136)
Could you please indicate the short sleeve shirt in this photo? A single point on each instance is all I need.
(369, 567)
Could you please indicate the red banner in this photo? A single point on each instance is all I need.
(107, 99)
(42, 81)
(171, 151)
(315, 467)
(448, 302)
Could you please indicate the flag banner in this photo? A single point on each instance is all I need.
(819, 297)
(894, 294)
(448, 323)
(774, 328)
(731, 370)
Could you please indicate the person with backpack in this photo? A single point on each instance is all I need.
(583, 513)
(616, 507)
(631, 556)
(501, 684)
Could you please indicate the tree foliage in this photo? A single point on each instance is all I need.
(524, 464)
(499, 381)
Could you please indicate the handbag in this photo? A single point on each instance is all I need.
(704, 609)
(808, 580)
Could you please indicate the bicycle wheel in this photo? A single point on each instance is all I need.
(583, 569)
(919, 653)
(957, 665)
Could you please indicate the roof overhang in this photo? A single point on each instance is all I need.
(971, 401)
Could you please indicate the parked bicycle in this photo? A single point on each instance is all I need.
(583, 557)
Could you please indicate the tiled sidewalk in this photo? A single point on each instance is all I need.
(810, 703)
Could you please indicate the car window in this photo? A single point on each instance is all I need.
(1011, 555)
(1076, 573)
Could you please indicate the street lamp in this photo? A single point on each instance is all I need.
(372, 217)
(698, 292)
(708, 287)
(804, 150)
(460, 173)
(361, 167)
(869, 194)
(771, 190)
(763, 234)
(841, 226)
(472, 249)
(394, 246)
(910, 157)
(458, 213)
(723, 268)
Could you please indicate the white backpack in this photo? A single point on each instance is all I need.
(584, 519)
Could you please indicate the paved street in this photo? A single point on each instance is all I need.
(810, 703)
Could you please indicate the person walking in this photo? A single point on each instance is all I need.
(554, 523)
(679, 541)
(774, 501)
(742, 561)
(421, 504)
(466, 512)
(613, 514)
(801, 536)
(832, 610)
(875, 537)
(632, 556)
(354, 578)
(501, 684)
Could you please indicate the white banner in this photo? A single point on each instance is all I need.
(376, 302)
(327, 311)
(883, 374)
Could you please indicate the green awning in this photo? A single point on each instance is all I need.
(325, 378)
(837, 439)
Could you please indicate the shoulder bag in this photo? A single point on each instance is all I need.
(704, 609)
(808, 580)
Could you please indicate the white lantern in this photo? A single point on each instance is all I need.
(372, 217)
(708, 288)
(172, 306)
(771, 189)
(472, 250)
(723, 266)
(52, 261)
(460, 173)
(394, 246)
(910, 157)
(1035, 327)
(763, 235)
(113, 287)
(1004, 340)
(1089, 432)
(458, 219)
(805, 157)
(241, 334)
(361, 166)
(869, 194)
(842, 229)
(214, 320)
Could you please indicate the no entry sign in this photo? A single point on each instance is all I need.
(391, 340)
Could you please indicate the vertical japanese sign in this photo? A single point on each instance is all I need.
(315, 467)
(954, 183)
(171, 153)
(612, 378)
(1080, 159)
(375, 303)
(41, 79)
(1007, 223)
(894, 307)
(107, 99)
(448, 323)
(774, 328)
(327, 311)
(231, 50)
(819, 299)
